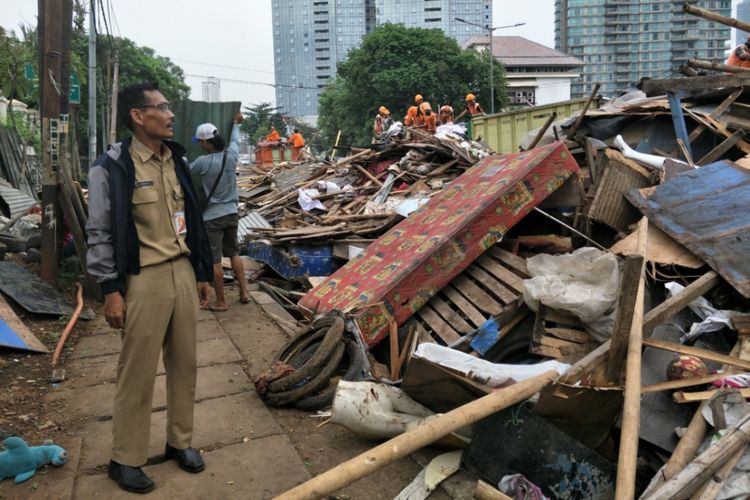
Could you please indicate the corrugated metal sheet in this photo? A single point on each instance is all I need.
(249, 222)
(13, 201)
(707, 211)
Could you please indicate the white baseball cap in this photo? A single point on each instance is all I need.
(205, 131)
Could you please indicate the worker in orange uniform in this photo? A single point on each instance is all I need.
(382, 121)
(273, 135)
(740, 56)
(446, 114)
(472, 107)
(411, 113)
(297, 142)
(427, 119)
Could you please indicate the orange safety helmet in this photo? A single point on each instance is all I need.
(418, 98)
(384, 110)
(470, 97)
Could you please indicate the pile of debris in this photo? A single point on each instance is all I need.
(588, 256)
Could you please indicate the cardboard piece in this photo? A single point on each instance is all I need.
(662, 249)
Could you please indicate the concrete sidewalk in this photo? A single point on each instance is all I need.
(246, 452)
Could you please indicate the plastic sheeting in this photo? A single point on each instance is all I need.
(585, 283)
(190, 114)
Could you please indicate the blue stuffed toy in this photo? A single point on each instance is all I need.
(20, 460)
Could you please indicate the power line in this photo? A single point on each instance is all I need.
(250, 82)
(225, 66)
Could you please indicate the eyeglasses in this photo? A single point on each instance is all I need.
(164, 107)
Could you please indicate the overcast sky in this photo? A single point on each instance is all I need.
(232, 39)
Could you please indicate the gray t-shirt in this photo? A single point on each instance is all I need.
(225, 198)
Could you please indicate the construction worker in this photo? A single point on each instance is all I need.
(382, 121)
(472, 107)
(740, 56)
(446, 114)
(411, 114)
(297, 142)
(273, 135)
(427, 120)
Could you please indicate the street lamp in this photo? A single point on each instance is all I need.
(492, 55)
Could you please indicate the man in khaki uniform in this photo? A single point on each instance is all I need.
(149, 251)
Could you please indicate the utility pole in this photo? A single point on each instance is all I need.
(50, 85)
(113, 106)
(92, 81)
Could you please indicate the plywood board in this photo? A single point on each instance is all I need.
(13, 333)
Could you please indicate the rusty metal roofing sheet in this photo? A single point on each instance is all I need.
(14, 201)
(706, 210)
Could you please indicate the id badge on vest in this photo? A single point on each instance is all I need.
(180, 225)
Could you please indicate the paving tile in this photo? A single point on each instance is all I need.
(259, 469)
(96, 401)
(218, 422)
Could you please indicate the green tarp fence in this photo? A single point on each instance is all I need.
(190, 114)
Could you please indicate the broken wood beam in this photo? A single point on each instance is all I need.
(631, 279)
(692, 397)
(684, 70)
(681, 384)
(542, 130)
(722, 148)
(706, 464)
(414, 439)
(713, 16)
(726, 68)
(572, 132)
(631, 414)
(660, 87)
(716, 113)
(680, 301)
(713, 486)
(700, 353)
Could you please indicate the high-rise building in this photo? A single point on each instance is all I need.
(743, 14)
(211, 89)
(311, 36)
(439, 14)
(622, 41)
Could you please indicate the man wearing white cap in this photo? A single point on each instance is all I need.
(218, 171)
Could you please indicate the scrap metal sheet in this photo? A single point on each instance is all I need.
(706, 210)
(402, 270)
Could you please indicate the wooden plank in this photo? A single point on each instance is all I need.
(501, 273)
(661, 87)
(450, 316)
(495, 287)
(701, 353)
(510, 259)
(675, 304)
(722, 148)
(471, 312)
(8, 316)
(716, 113)
(681, 384)
(631, 277)
(477, 296)
(440, 327)
(570, 334)
(693, 397)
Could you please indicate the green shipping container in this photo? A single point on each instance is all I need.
(505, 131)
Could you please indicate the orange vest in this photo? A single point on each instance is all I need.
(296, 140)
(411, 114)
(736, 61)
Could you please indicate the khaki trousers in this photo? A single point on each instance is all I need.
(161, 314)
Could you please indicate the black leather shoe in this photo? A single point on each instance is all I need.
(188, 458)
(131, 479)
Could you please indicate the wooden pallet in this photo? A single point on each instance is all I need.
(560, 336)
(490, 286)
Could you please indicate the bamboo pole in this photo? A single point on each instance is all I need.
(631, 415)
(485, 491)
(427, 433)
(572, 132)
(727, 68)
(713, 16)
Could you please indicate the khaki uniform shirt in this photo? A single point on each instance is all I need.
(158, 206)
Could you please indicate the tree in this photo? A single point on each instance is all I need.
(391, 65)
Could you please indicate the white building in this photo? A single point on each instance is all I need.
(535, 74)
(211, 89)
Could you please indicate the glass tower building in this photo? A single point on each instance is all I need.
(622, 41)
(311, 36)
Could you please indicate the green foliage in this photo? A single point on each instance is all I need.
(14, 54)
(29, 131)
(391, 65)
